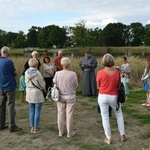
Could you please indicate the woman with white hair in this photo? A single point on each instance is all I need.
(34, 96)
(66, 81)
(107, 83)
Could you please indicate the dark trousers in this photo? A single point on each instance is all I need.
(7, 95)
(48, 82)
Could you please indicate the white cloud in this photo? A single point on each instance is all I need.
(22, 14)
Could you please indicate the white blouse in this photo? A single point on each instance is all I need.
(49, 69)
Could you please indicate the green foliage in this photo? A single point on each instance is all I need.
(20, 40)
(52, 35)
(114, 34)
(79, 34)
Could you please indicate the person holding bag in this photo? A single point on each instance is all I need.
(34, 96)
(107, 85)
(125, 75)
(66, 81)
(146, 79)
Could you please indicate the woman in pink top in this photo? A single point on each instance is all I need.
(67, 83)
(107, 84)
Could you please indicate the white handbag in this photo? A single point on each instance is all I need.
(53, 93)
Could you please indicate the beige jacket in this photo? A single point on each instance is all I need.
(34, 95)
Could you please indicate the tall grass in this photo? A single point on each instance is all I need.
(137, 67)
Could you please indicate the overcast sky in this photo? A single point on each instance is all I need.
(21, 15)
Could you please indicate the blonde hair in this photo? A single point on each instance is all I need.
(65, 62)
(33, 62)
(108, 60)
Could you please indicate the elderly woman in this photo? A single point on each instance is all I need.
(107, 84)
(34, 96)
(66, 81)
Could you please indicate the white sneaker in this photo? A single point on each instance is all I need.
(61, 134)
(72, 135)
(144, 104)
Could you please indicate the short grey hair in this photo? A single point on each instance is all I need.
(33, 62)
(34, 53)
(65, 62)
(5, 49)
(108, 60)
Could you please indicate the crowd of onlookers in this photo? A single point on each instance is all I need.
(32, 82)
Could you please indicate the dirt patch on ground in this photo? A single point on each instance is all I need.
(87, 125)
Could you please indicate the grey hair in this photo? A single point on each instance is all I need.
(65, 62)
(34, 52)
(5, 49)
(108, 60)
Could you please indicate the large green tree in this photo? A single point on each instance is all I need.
(94, 37)
(114, 34)
(32, 36)
(147, 35)
(136, 34)
(79, 33)
(20, 40)
(3, 38)
(52, 35)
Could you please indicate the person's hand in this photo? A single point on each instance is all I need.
(142, 79)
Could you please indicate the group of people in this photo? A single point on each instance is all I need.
(104, 84)
(32, 82)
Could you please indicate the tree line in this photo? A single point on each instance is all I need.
(113, 34)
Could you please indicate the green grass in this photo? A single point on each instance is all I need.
(134, 109)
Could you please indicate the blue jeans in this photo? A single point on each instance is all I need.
(35, 112)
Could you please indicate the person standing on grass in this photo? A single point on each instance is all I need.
(34, 96)
(34, 54)
(57, 61)
(88, 65)
(22, 87)
(146, 78)
(66, 81)
(107, 84)
(7, 90)
(125, 74)
(48, 71)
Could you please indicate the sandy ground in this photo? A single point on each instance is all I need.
(87, 125)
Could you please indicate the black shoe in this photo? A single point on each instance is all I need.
(5, 127)
(15, 129)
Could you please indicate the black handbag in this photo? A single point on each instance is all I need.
(121, 93)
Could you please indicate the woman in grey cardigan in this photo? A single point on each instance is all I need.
(34, 96)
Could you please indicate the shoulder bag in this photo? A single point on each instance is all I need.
(121, 93)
